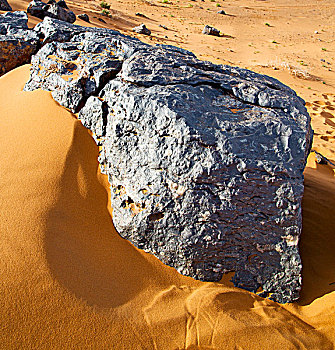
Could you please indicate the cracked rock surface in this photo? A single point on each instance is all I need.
(17, 42)
(205, 161)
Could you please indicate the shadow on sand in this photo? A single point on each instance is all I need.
(317, 243)
(84, 252)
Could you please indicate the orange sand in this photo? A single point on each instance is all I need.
(271, 37)
(69, 281)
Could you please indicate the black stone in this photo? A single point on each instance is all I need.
(62, 3)
(84, 17)
(41, 10)
(205, 161)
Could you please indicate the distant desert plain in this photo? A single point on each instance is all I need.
(69, 281)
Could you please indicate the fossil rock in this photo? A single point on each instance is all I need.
(17, 43)
(205, 161)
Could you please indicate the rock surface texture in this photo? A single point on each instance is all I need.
(205, 161)
(58, 10)
(17, 42)
(4, 6)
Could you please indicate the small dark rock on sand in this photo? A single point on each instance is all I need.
(208, 30)
(139, 14)
(84, 17)
(142, 29)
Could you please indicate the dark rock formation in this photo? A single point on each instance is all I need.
(13, 21)
(39, 9)
(221, 12)
(205, 161)
(17, 43)
(62, 4)
(76, 62)
(84, 17)
(4, 6)
(142, 29)
(139, 14)
(208, 30)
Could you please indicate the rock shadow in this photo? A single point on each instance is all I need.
(84, 252)
(317, 242)
(88, 257)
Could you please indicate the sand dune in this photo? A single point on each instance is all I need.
(69, 281)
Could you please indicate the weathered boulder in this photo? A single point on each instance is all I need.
(13, 21)
(75, 62)
(4, 6)
(40, 9)
(17, 43)
(205, 161)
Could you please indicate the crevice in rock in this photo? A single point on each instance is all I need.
(216, 85)
(104, 80)
(156, 216)
(104, 117)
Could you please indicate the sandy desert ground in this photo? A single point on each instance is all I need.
(68, 281)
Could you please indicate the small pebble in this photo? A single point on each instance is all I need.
(84, 17)
(139, 14)
(208, 30)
